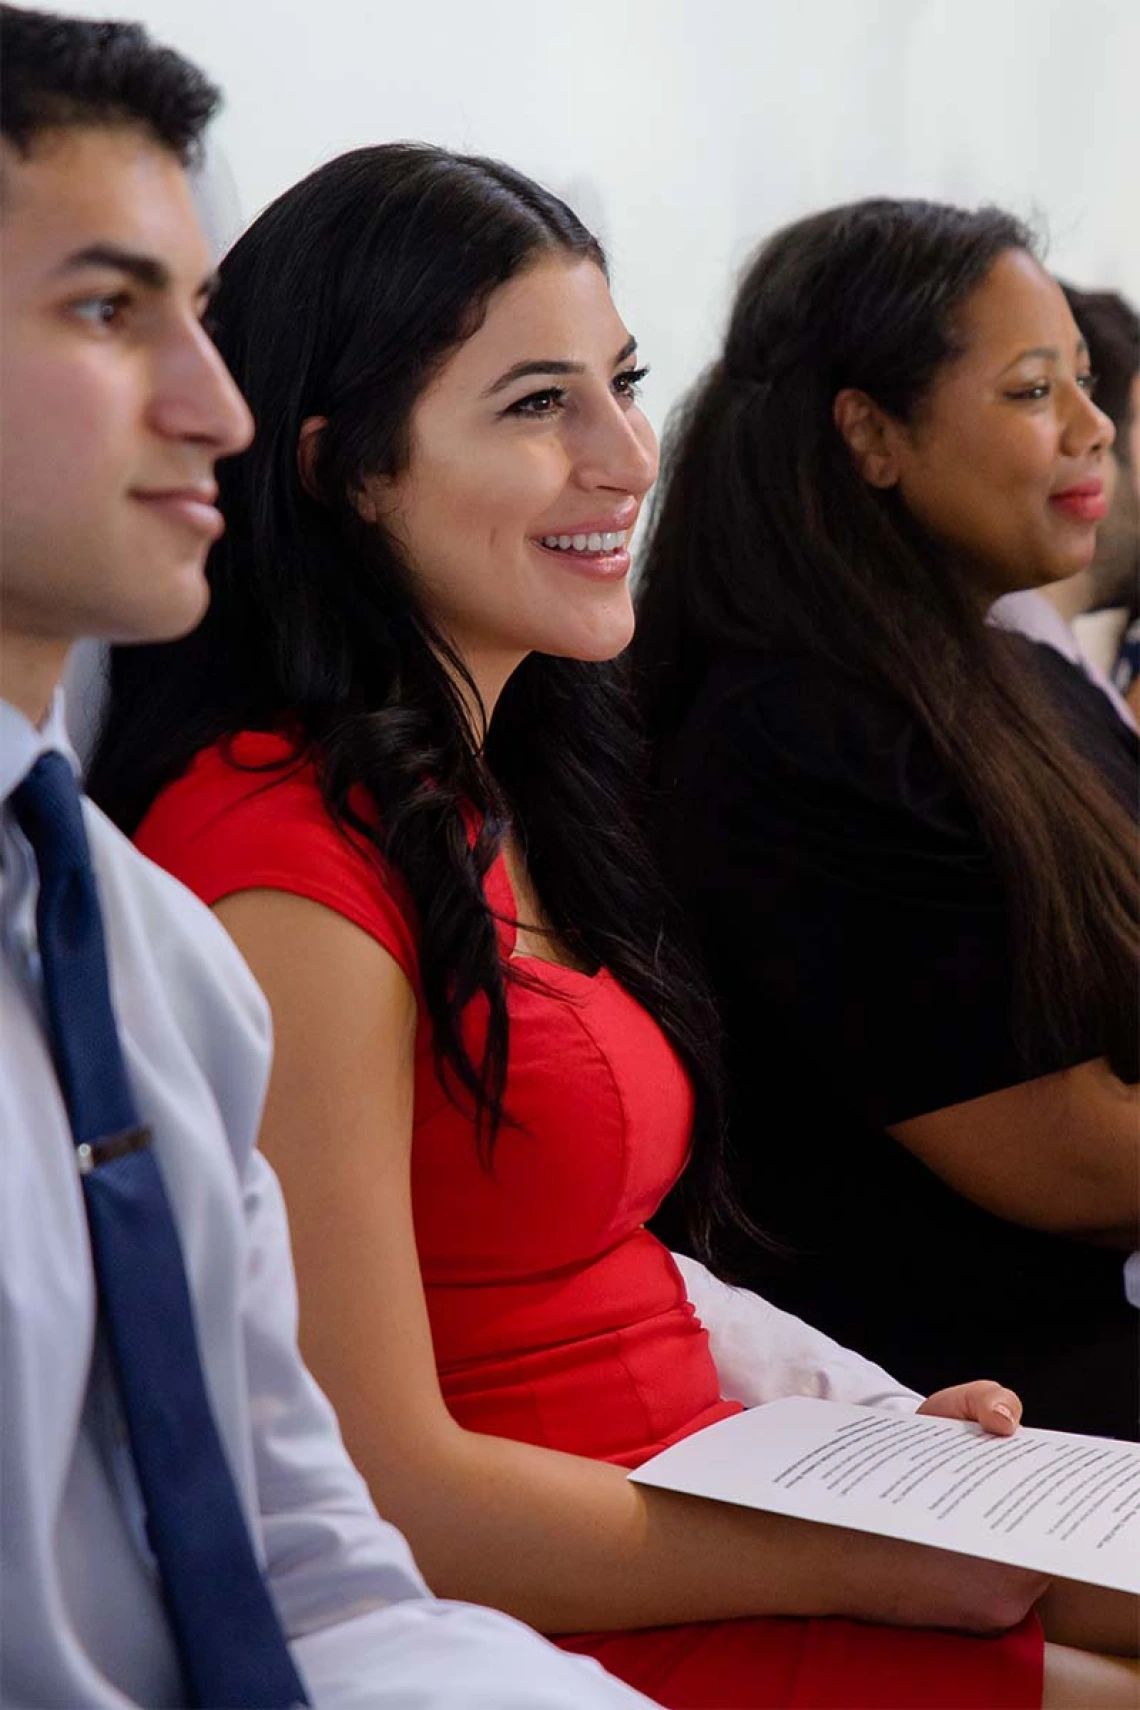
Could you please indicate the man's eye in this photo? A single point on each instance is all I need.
(102, 311)
(545, 403)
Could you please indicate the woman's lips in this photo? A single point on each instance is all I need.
(596, 566)
(1085, 502)
(597, 549)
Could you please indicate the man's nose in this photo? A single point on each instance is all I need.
(198, 399)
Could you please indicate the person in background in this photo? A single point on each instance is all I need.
(1111, 331)
(398, 760)
(918, 906)
(179, 1522)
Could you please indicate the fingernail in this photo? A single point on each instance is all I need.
(1006, 1413)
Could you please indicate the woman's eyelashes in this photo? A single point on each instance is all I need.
(545, 403)
(627, 384)
(552, 399)
(1041, 389)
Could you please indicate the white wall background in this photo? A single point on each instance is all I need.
(684, 130)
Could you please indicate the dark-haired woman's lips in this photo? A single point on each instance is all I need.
(1085, 502)
(600, 553)
(193, 507)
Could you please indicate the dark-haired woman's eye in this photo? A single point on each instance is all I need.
(1087, 382)
(545, 403)
(627, 384)
(1031, 394)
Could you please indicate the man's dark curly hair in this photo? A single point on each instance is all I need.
(58, 73)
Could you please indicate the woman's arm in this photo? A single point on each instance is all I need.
(837, 878)
(564, 1542)
(1060, 1153)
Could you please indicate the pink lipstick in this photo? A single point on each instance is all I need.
(1085, 501)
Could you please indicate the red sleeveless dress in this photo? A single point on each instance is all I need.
(557, 1318)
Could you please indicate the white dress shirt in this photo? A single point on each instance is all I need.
(82, 1621)
(762, 1353)
(1029, 613)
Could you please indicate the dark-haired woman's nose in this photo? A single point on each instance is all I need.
(618, 452)
(1088, 430)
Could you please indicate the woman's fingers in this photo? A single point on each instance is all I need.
(994, 1407)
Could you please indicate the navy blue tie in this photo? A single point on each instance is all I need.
(226, 1629)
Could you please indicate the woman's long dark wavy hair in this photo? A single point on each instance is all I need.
(766, 537)
(342, 301)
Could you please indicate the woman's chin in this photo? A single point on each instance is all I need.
(604, 637)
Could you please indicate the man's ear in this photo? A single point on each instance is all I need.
(308, 448)
(870, 434)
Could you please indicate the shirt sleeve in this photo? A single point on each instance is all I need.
(848, 905)
(225, 827)
(762, 1353)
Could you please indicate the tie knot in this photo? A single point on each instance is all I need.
(49, 812)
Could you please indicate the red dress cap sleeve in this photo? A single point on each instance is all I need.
(248, 816)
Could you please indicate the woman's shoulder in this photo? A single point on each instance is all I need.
(253, 779)
(249, 813)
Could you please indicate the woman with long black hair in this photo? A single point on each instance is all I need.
(399, 761)
(916, 895)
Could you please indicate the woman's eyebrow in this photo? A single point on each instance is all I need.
(541, 365)
(1046, 353)
(551, 365)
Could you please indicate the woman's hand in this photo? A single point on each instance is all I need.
(992, 1407)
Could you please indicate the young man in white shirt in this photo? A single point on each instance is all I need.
(114, 408)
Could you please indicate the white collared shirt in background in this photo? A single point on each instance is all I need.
(1029, 613)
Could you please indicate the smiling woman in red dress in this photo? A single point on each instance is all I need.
(398, 763)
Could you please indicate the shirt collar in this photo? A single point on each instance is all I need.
(22, 742)
(1032, 615)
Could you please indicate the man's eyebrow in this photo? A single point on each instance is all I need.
(147, 270)
(550, 365)
(154, 274)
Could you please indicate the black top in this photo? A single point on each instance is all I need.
(858, 938)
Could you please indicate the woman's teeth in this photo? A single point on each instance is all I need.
(610, 542)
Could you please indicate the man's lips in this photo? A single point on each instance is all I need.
(1085, 501)
(192, 506)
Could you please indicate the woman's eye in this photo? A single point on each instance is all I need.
(1032, 394)
(538, 403)
(627, 384)
(1087, 383)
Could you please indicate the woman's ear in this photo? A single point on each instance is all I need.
(365, 499)
(870, 434)
(308, 449)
